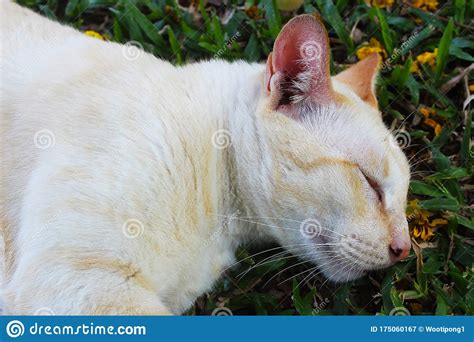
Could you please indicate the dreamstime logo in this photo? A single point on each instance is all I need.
(411, 217)
(401, 138)
(320, 306)
(222, 311)
(221, 139)
(310, 228)
(132, 50)
(310, 51)
(399, 311)
(407, 45)
(44, 139)
(15, 328)
(133, 228)
(221, 228)
(44, 312)
(227, 45)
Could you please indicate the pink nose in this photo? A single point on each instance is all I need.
(399, 250)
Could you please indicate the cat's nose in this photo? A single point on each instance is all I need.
(399, 250)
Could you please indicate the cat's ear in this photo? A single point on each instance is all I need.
(361, 78)
(298, 68)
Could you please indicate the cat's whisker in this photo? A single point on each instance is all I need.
(331, 261)
(306, 277)
(263, 224)
(264, 262)
(350, 263)
(309, 275)
(272, 249)
(412, 166)
(423, 160)
(417, 153)
(285, 269)
(405, 120)
(420, 173)
(279, 227)
(276, 258)
(310, 270)
(328, 266)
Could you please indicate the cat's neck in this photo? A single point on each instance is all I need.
(235, 90)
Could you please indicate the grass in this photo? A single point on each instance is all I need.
(427, 109)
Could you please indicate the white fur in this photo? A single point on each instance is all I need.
(134, 140)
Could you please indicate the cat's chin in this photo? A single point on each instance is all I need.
(345, 277)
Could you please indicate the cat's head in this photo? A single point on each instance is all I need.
(331, 180)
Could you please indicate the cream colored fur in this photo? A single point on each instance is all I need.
(135, 143)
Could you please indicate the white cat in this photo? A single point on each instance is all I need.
(127, 183)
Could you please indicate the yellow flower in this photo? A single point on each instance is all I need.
(253, 12)
(417, 3)
(433, 124)
(471, 87)
(373, 46)
(421, 227)
(414, 67)
(94, 34)
(438, 222)
(380, 3)
(426, 5)
(431, 5)
(423, 232)
(428, 58)
(427, 112)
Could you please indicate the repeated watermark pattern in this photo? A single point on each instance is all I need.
(132, 50)
(400, 138)
(320, 306)
(133, 228)
(227, 45)
(310, 228)
(221, 139)
(406, 45)
(44, 139)
(222, 311)
(224, 226)
(311, 51)
(399, 311)
(44, 311)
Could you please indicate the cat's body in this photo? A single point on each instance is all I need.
(129, 208)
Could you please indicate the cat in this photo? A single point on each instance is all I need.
(128, 183)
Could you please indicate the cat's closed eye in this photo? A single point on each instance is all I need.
(374, 185)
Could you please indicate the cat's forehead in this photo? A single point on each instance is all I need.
(357, 133)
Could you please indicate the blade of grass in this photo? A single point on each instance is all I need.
(146, 25)
(459, 9)
(443, 49)
(331, 14)
(272, 16)
(387, 38)
(466, 140)
(175, 46)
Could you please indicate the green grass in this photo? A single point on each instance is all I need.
(438, 278)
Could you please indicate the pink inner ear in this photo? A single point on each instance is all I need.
(303, 47)
(287, 55)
